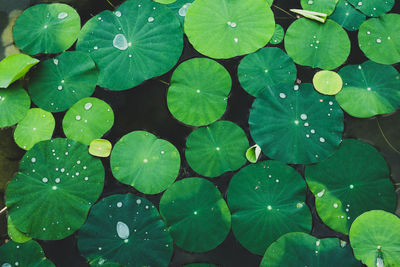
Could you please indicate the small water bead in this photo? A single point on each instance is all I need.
(320, 194)
(120, 42)
(150, 19)
(162, 152)
(96, 47)
(296, 87)
(368, 32)
(198, 91)
(310, 2)
(299, 205)
(282, 95)
(317, 243)
(145, 160)
(122, 230)
(378, 41)
(62, 15)
(33, 160)
(195, 212)
(183, 10)
(119, 204)
(303, 116)
(335, 205)
(88, 106)
(55, 61)
(307, 135)
(360, 3)
(146, 207)
(62, 170)
(118, 14)
(86, 178)
(138, 201)
(217, 148)
(45, 26)
(330, 103)
(45, 180)
(351, 186)
(306, 124)
(57, 180)
(312, 131)
(54, 187)
(296, 122)
(322, 140)
(235, 40)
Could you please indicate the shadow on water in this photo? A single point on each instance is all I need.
(144, 108)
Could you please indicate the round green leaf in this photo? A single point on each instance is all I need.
(15, 234)
(226, 28)
(100, 148)
(191, 98)
(373, 8)
(353, 180)
(375, 238)
(321, 6)
(347, 16)
(56, 84)
(145, 162)
(215, 149)
(180, 8)
(279, 33)
(196, 214)
(310, 43)
(295, 124)
(369, 89)
(88, 119)
(47, 28)
(265, 69)
(57, 182)
(135, 43)
(37, 125)
(14, 67)
(126, 229)
(264, 196)
(327, 82)
(14, 104)
(379, 39)
(301, 249)
(26, 254)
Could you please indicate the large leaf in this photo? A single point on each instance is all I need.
(126, 229)
(295, 124)
(262, 197)
(14, 67)
(57, 84)
(301, 249)
(310, 43)
(196, 214)
(145, 162)
(14, 104)
(229, 28)
(353, 180)
(379, 39)
(373, 8)
(139, 41)
(57, 183)
(265, 69)
(88, 119)
(191, 98)
(369, 89)
(375, 238)
(46, 28)
(215, 149)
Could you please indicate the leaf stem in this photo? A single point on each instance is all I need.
(3, 210)
(164, 82)
(110, 3)
(384, 137)
(284, 11)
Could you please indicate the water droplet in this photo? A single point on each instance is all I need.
(299, 205)
(360, 3)
(303, 116)
(33, 160)
(182, 11)
(86, 178)
(282, 95)
(78, 118)
(54, 187)
(88, 106)
(150, 19)
(55, 61)
(118, 14)
(122, 230)
(217, 148)
(45, 180)
(322, 140)
(296, 87)
(310, 2)
(378, 41)
(269, 207)
(119, 204)
(195, 212)
(306, 124)
(120, 42)
(368, 32)
(145, 160)
(62, 15)
(57, 180)
(233, 25)
(235, 40)
(62, 170)
(138, 201)
(320, 194)
(351, 186)
(335, 205)
(312, 131)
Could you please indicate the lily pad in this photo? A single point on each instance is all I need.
(347, 16)
(191, 98)
(37, 125)
(353, 180)
(88, 119)
(225, 29)
(295, 124)
(369, 89)
(327, 82)
(375, 238)
(373, 8)
(14, 104)
(265, 69)
(26, 254)
(215, 149)
(264, 196)
(379, 39)
(321, 6)
(126, 55)
(301, 249)
(100, 148)
(15, 234)
(180, 8)
(14, 67)
(126, 229)
(196, 214)
(310, 43)
(57, 84)
(145, 162)
(279, 33)
(47, 28)
(56, 185)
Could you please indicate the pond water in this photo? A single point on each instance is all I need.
(144, 108)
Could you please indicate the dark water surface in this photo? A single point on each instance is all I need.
(144, 108)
